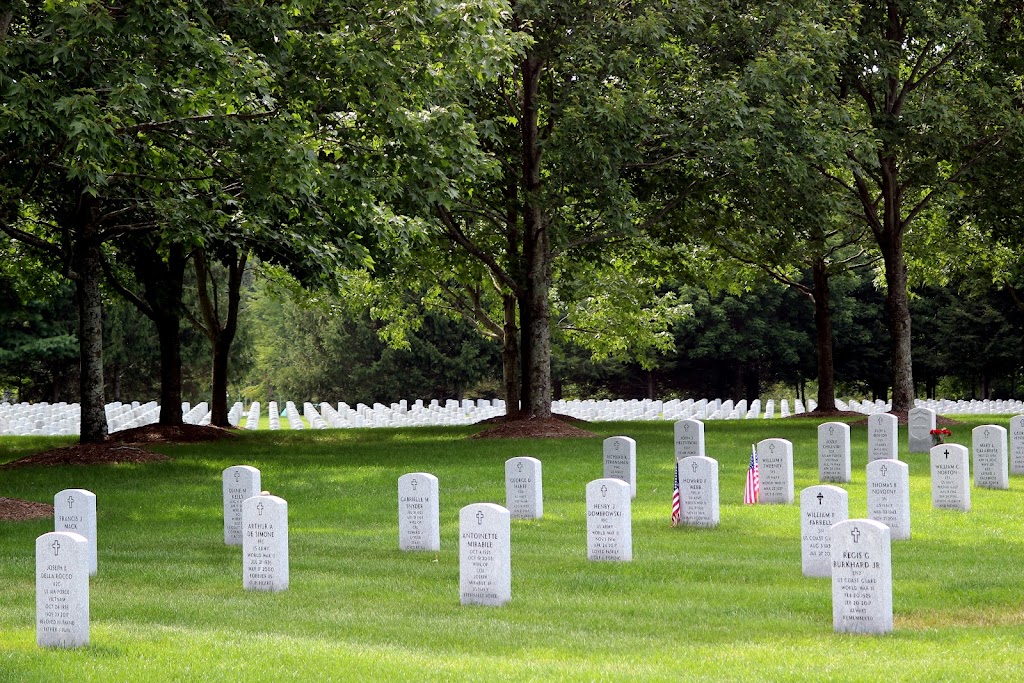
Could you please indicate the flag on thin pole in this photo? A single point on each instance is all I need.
(752, 491)
(675, 499)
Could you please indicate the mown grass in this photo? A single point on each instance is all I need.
(724, 604)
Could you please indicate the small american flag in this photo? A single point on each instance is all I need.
(675, 499)
(752, 491)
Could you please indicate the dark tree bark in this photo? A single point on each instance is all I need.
(88, 267)
(823, 328)
(510, 356)
(221, 334)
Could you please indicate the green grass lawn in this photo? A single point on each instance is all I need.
(695, 604)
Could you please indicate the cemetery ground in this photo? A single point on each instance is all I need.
(727, 603)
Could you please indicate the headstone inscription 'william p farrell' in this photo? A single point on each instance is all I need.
(951, 477)
(485, 555)
(62, 590)
(1017, 444)
(988, 442)
(820, 508)
(775, 463)
(524, 488)
(861, 577)
(920, 423)
(883, 437)
(889, 496)
(698, 491)
(834, 452)
(419, 525)
(74, 510)
(609, 521)
(689, 438)
(265, 543)
(239, 482)
(620, 461)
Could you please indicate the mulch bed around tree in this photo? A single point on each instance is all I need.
(170, 434)
(556, 427)
(15, 510)
(87, 454)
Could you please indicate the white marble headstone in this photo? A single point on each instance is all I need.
(820, 508)
(62, 590)
(609, 520)
(620, 461)
(238, 483)
(485, 555)
(861, 577)
(689, 438)
(698, 491)
(889, 496)
(834, 452)
(988, 444)
(775, 466)
(883, 437)
(1017, 444)
(920, 423)
(524, 488)
(951, 477)
(74, 510)
(419, 526)
(265, 543)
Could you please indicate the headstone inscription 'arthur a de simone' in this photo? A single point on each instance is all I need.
(820, 508)
(620, 461)
(834, 452)
(951, 477)
(698, 491)
(62, 590)
(609, 521)
(238, 483)
(861, 577)
(524, 488)
(419, 525)
(485, 555)
(889, 496)
(74, 510)
(265, 543)
(775, 463)
(689, 438)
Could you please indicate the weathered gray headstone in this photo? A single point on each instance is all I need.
(689, 438)
(775, 465)
(265, 543)
(620, 461)
(883, 437)
(62, 590)
(74, 510)
(861, 577)
(239, 482)
(524, 488)
(698, 491)
(920, 423)
(1017, 444)
(951, 477)
(609, 520)
(419, 526)
(988, 444)
(834, 452)
(820, 508)
(889, 496)
(485, 555)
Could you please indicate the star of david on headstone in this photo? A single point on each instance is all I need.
(480, 518)
(855, 532)
(56, 547)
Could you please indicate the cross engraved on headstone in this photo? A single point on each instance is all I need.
(820, 497)
(71, 502)
(480, 518)
(617, 446)
(604, 491)
(694, 466)
(771, 448)
(259, 509)
(56, 547)
(882, 469)
(855, 533)
(946, 453)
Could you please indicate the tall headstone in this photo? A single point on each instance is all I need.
(74, 510)
(689, 438)
(609, 520)
(920, 423)
(419, 526)
(861, 577)
(988, 443)
(485, 555)
(62, 590)
(698, 491)
(883, 437)
(620, 461)
(951, 477)
(820, 508)
(524, 488)
(1017, 444)
(834, 452)
(889, 496)
(239, 483)
(265, 543)
(775, 466)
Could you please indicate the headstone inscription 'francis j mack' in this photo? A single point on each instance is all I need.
(883, 437)
(834, 452)
(698, 491)
(620, 461)
(1017, 444)
(951, 477)
(920, 423)
(861, 577)
(485, 555)
(74, 510)
(265, 543)
(689, 438)
(62, 590)
(419, 525)
(775, 464)
(820, 508)
(988, 442)
(609, 521)
(524, 488)
(889, 496)
(239, 482)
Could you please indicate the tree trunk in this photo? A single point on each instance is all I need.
(823, 327)
(510, 356)
(897, 310)
(220, 334)
(169, 332)
(88, 267)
